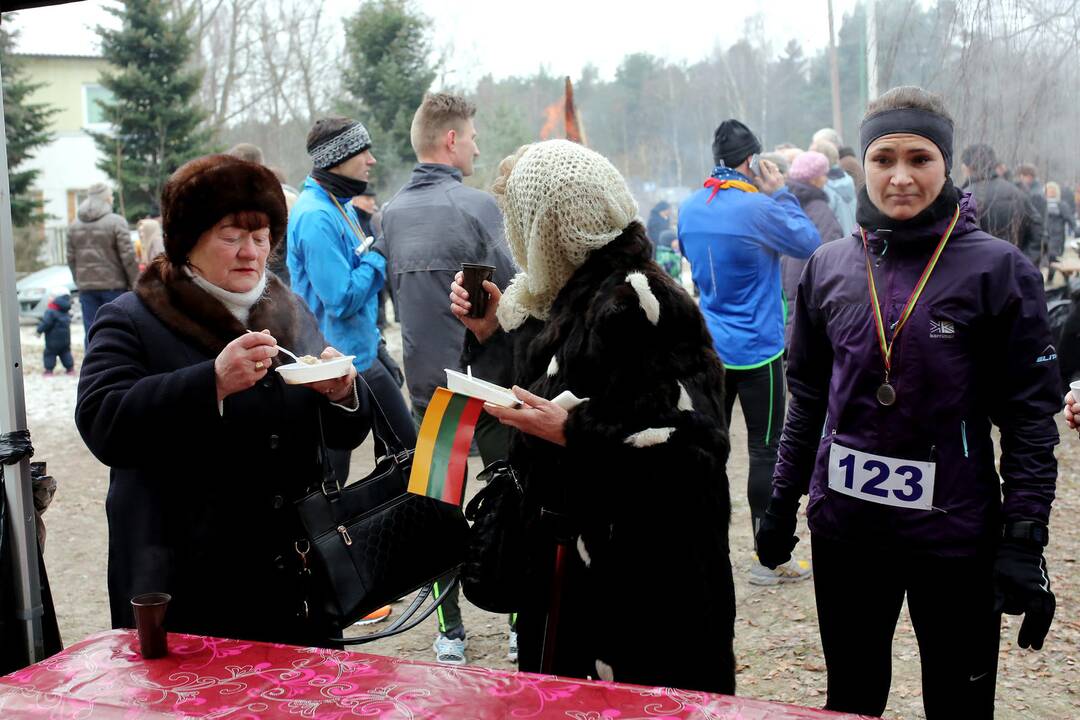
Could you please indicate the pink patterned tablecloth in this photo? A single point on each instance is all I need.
(105, 678)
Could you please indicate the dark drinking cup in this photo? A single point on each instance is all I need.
(150, 622)
(473, 282)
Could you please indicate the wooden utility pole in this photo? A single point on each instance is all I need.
(834, 73)
(871, 50)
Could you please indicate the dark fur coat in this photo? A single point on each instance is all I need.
(200, 503)
(640, 492)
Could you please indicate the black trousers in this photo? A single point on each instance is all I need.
(860, 591)
(65, 358)
(761, 394)
(387, 392)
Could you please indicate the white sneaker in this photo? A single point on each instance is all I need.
(790, 572)
(449, 651)
(511, 653)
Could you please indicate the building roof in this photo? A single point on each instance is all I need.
(87, 55)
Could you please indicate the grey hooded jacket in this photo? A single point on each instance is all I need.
(430, 227)
(100, 252)
(841, 191)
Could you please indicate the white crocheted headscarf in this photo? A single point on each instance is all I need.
(561, 201)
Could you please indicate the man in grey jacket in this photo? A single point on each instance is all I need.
(433, 225)
(100, 253)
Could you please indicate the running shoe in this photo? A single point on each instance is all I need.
(511, 653)
(790, 572)
(449, 650)
(375, 617)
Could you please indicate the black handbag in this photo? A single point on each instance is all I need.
(373, 542)
(493, 574)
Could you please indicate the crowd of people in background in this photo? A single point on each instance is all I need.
(786, 252)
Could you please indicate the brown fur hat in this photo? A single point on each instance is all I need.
(204, 190)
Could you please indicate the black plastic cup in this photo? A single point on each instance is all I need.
(473, 282)
(150, 622)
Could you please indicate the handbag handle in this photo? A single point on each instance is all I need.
(403, 623)
(330, 483)
(383, 447)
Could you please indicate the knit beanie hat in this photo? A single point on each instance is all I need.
(733, 142)
(348, 142)
(204, 190)
(808, 165)
(561, 201)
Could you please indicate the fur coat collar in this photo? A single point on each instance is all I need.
(191, 312)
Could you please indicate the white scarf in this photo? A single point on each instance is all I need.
(237, 303)
(561, 202)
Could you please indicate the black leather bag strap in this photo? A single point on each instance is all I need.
(387, 441)
(330, 484)
(407, 621)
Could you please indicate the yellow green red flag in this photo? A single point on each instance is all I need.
(442, 447)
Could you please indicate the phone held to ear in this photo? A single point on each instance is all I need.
(755, 165)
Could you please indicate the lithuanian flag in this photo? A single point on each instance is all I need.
(442, 448)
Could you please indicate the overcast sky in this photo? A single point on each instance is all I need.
(507, 37)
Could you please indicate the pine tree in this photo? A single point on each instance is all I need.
(389, 70)
(155, 123)
(27, 126)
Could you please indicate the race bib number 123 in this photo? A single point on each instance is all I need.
(880, 479)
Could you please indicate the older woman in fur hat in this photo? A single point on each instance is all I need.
(632, 480)
(208, 448)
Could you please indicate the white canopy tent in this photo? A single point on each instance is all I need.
(17, 489)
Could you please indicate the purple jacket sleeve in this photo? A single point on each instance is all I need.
(810, 358)
(1027, 367)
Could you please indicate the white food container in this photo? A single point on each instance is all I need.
(474, 387)
(302, 373)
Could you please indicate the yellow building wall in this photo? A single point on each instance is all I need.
(64, 78)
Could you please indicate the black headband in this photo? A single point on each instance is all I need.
(933, 127)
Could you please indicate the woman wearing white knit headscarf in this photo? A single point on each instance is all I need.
(632, 478)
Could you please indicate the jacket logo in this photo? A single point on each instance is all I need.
(942, 329)
(1049, 353)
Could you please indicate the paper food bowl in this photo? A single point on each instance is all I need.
(301, 373)
(474, 387)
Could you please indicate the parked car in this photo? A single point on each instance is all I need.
(34, 289)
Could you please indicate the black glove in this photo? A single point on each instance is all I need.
(775, 537)
(1022, 587)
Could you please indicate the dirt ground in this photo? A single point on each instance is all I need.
(776, 644)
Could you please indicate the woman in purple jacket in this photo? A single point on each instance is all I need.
(911, 338)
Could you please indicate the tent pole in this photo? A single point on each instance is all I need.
(20, 499)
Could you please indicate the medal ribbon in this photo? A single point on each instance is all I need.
(887, 345)
(348, 220)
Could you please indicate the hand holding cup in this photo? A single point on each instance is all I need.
(461, 304)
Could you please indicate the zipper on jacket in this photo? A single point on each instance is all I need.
(932, 449)
(884, 250)
(344, 534)
(963, 436)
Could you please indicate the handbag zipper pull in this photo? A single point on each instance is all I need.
(344, 534)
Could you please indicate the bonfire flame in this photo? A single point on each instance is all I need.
(563, 110)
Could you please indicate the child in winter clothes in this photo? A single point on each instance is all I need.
(56, 325)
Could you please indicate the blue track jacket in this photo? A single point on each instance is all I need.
(734, 243)
(339, 285)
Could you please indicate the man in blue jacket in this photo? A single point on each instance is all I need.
(335, 271)
(733, 231)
